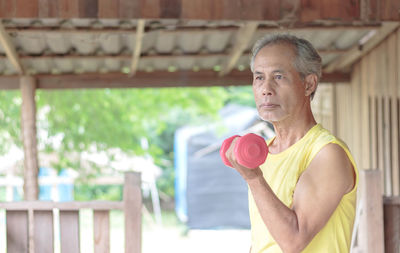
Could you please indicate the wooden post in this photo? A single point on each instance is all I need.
(28, 127)
(371, 239)
(392, 224)
(133, 212)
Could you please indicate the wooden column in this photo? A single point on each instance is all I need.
(392, 224)
(133, 212)
(28, 127)
(371, 239)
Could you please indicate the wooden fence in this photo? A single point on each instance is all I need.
(30, 225)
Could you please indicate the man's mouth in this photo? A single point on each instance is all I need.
(268, 105)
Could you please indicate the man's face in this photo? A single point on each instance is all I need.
(279, 91)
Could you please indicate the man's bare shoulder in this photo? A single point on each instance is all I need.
(332, 163)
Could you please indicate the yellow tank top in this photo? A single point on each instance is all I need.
(282, 172)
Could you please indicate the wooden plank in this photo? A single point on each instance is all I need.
(150, 8)
(43, 234)
(355, 101)
(386, 117)
(48, 8)
(137, 46)
(28, 128)
(9, 49)
(108, 8)
(371, 235)
(380, 116)
(243, 37)
(17, 231)
(374, 10)
(334, 110)
(394, 127)
(306, 11)
(130, 9)
(132, 212)
(67, 206)
(339, 9)
(69, 231)
(68, 8)
(7, 8)
(373, 109)
(389, 9)
(197, 9)
(88, 8)
(354, 54)
(392, 228)
(27, 8)
(101, 221)
(365, 127)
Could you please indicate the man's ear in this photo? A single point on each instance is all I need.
(311, 83)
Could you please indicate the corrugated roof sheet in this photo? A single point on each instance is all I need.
(85, 45)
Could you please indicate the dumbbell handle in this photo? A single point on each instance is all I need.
(250, 150)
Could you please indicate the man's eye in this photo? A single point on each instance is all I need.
(278, 77)
(259, 78)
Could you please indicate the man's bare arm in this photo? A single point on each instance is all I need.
(318, 192)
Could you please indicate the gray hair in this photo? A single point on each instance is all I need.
(307, 60)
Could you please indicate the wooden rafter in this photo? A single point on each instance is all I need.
(359, 50)
(138, 46)
(9, 48)
(155, 79)
(243, 38)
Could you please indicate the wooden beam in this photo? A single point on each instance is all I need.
(125, 56)
(138, 46)
(243, 38)
(304, 11)
(189, 29)
(9, 48)
(156, 79)
(358, 51)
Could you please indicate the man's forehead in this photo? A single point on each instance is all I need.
(280, 50)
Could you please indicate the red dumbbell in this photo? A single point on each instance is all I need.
(250, 150)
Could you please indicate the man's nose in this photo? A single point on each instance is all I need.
(267, 88)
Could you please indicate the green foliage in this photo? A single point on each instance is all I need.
(120, 118)
(102, 192)
(78, 120)
(10, 119)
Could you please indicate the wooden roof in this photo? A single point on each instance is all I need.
(161, 43)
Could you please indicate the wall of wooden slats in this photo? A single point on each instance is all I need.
(366, 112)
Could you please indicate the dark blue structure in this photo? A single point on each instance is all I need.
(209, 194)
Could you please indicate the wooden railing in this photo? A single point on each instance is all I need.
(30, 225)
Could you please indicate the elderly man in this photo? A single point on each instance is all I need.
(303, 198)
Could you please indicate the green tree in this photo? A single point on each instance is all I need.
(74, 120)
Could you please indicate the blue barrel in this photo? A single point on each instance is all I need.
(65, 191)
(44, 190)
